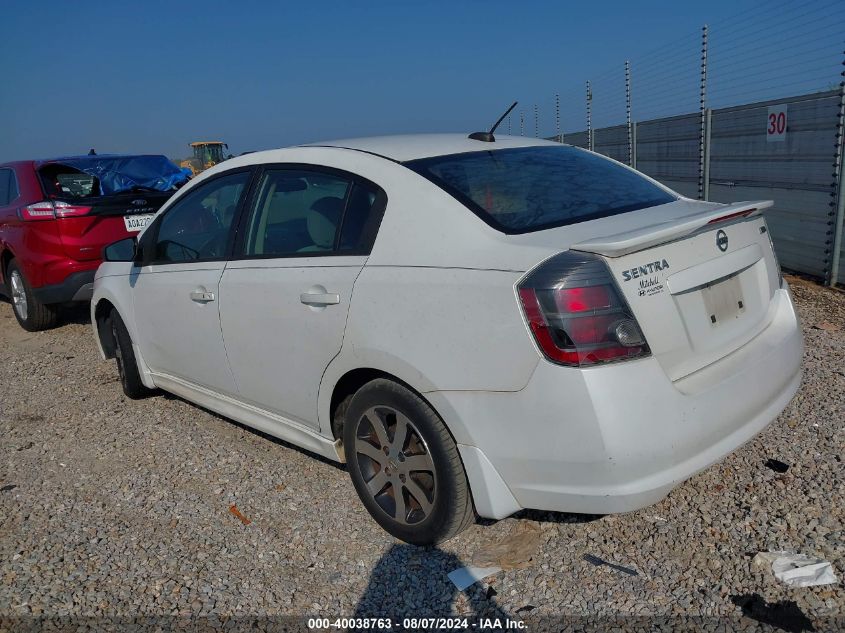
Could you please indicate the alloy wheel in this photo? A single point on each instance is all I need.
(396, 465)
(19, 295)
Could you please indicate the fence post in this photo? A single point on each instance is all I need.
(628, 112)
(702, 141)
(708, 122)
(522, 123)
(634, 145)
(558, 135)
(589, 118)
(536, 121)
(839, 167)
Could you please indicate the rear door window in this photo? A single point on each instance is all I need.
(308, 212)
(533, 188)
(8, 187)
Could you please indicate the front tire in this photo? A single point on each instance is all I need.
(405, 465)
(32, 315)
(127, 365)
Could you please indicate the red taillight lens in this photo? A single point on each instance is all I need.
(69, 210)
(49, 210)
(582, 299)
(576, 314)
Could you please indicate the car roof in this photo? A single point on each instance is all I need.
(407, 147)
(91, 157)
(44, 161)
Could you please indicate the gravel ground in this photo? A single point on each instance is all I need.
(118, 509)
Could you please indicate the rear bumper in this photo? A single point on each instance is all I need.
(620, 437)
(78, 286)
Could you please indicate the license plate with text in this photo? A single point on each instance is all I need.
(135, 223)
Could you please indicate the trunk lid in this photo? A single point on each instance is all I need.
(110, 218)
(700, 285)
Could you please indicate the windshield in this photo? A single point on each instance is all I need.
(209, 153)
(533, 188)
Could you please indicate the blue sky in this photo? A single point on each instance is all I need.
(153, 76)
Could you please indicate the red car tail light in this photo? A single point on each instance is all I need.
(49, 210)
(69, 210)
(38, 211)
(577, 315)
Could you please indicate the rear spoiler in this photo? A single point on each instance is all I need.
(668, 231)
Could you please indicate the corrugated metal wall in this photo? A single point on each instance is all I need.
(612, 141)
(667, 150)
(797, 173)
(579, 139)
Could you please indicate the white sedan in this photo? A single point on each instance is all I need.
(474, 325)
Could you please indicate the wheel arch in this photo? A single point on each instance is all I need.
(5, 259)
(101, 318)
(346, 384)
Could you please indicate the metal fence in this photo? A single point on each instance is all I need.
(750, 108)
(740, 163)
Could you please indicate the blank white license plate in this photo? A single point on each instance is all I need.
(135, 223)
(723, 300)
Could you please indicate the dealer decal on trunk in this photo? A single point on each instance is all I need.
(650, 284)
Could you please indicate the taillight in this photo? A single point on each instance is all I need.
(38, 211)
(68, 210)
(49, 209)
(577, 315)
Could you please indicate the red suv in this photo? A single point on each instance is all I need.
(57, 215)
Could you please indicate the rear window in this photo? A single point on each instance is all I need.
(92, 176)
(61, 181)
(533, 188)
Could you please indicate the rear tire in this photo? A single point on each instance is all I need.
(395, 444)
(127, 364)
(32, 315)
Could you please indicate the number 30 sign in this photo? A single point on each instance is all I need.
(776, 123)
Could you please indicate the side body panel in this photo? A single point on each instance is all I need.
(435, 329)
(179, 335)
(278, 346)
(113, 285)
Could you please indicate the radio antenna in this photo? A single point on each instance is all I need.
(488, 137)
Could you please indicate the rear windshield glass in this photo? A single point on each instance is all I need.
(533, 188)
(91, 176)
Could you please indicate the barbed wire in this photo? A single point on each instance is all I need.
(762, 52)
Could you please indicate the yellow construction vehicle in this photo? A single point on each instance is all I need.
(206, 154)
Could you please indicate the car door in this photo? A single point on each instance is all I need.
(8, 194)
(176, 290)
(285, 294)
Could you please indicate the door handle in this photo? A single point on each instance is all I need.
(319, 298)
(202, 296)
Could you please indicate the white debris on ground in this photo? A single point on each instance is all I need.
(463, 577)
(797, 570)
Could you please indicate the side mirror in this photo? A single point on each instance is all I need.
(121, 251)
